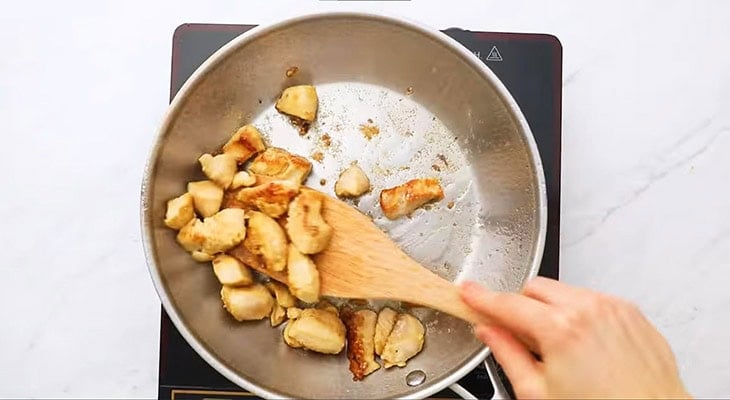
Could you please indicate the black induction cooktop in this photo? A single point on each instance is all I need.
(529, 65)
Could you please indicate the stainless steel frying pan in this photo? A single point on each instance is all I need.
(440, 112)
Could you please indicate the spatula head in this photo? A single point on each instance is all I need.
(362, 262)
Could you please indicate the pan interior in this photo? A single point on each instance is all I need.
(393, 139)
(436, 115)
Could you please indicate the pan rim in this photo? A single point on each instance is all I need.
(220, 55)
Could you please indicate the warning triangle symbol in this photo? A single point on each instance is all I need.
(494, 55)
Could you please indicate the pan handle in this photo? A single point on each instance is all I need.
(500, 391)
(497, 379)
(463, 393)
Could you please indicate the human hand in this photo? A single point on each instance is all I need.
(555, 340)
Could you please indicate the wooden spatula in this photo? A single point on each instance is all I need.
(362, 262)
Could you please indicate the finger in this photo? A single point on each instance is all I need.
(516, 360)
(556, 293)
(524, 317)
(640, 329)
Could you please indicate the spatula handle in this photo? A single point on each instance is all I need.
(440, 294)
(451, 303)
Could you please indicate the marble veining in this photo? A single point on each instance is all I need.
(689, 146)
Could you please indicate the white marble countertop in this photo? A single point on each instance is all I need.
(83, 86)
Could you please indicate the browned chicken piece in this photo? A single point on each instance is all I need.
(316, 330)
(298, 170)
(242, 179)
(327, 306)
(244, 144)
(179, 211)
(360, 346)
(404, 341)
(383, 327)
(283, 297)
(270, 198)
(307, 230)
(207, 197)
(214, 234)
(224, 230)
(281, 164)
(219, 169)
(290, 341)
(277, 316)
(231, 272)
(302, 276)
(272, 162)
(404, 199)
(293, 312)
(352, 182)
(266, 238)
(300, 103)
(192, 236)
(247, 303)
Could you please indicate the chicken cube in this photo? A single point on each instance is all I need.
(288, 339)
(360, 346)
(404, 341)
(293, 312)
(297, 171)
(267, 239)
(247, 303)
(327, 306)
(300, 104)
(281, 164)
(270, 198)
(352, 182)
(383, 327)
(179, 211)
(192, 236)
(242, 179)
(307, 230)
(224, 230)
(277, 316)
(207, 197)
(272, 162)
(404, 199)
(231, 272)
(316, 330)
(283, 297)
(244, 144)
(219, 169)
(214, 234)
(302, 276)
